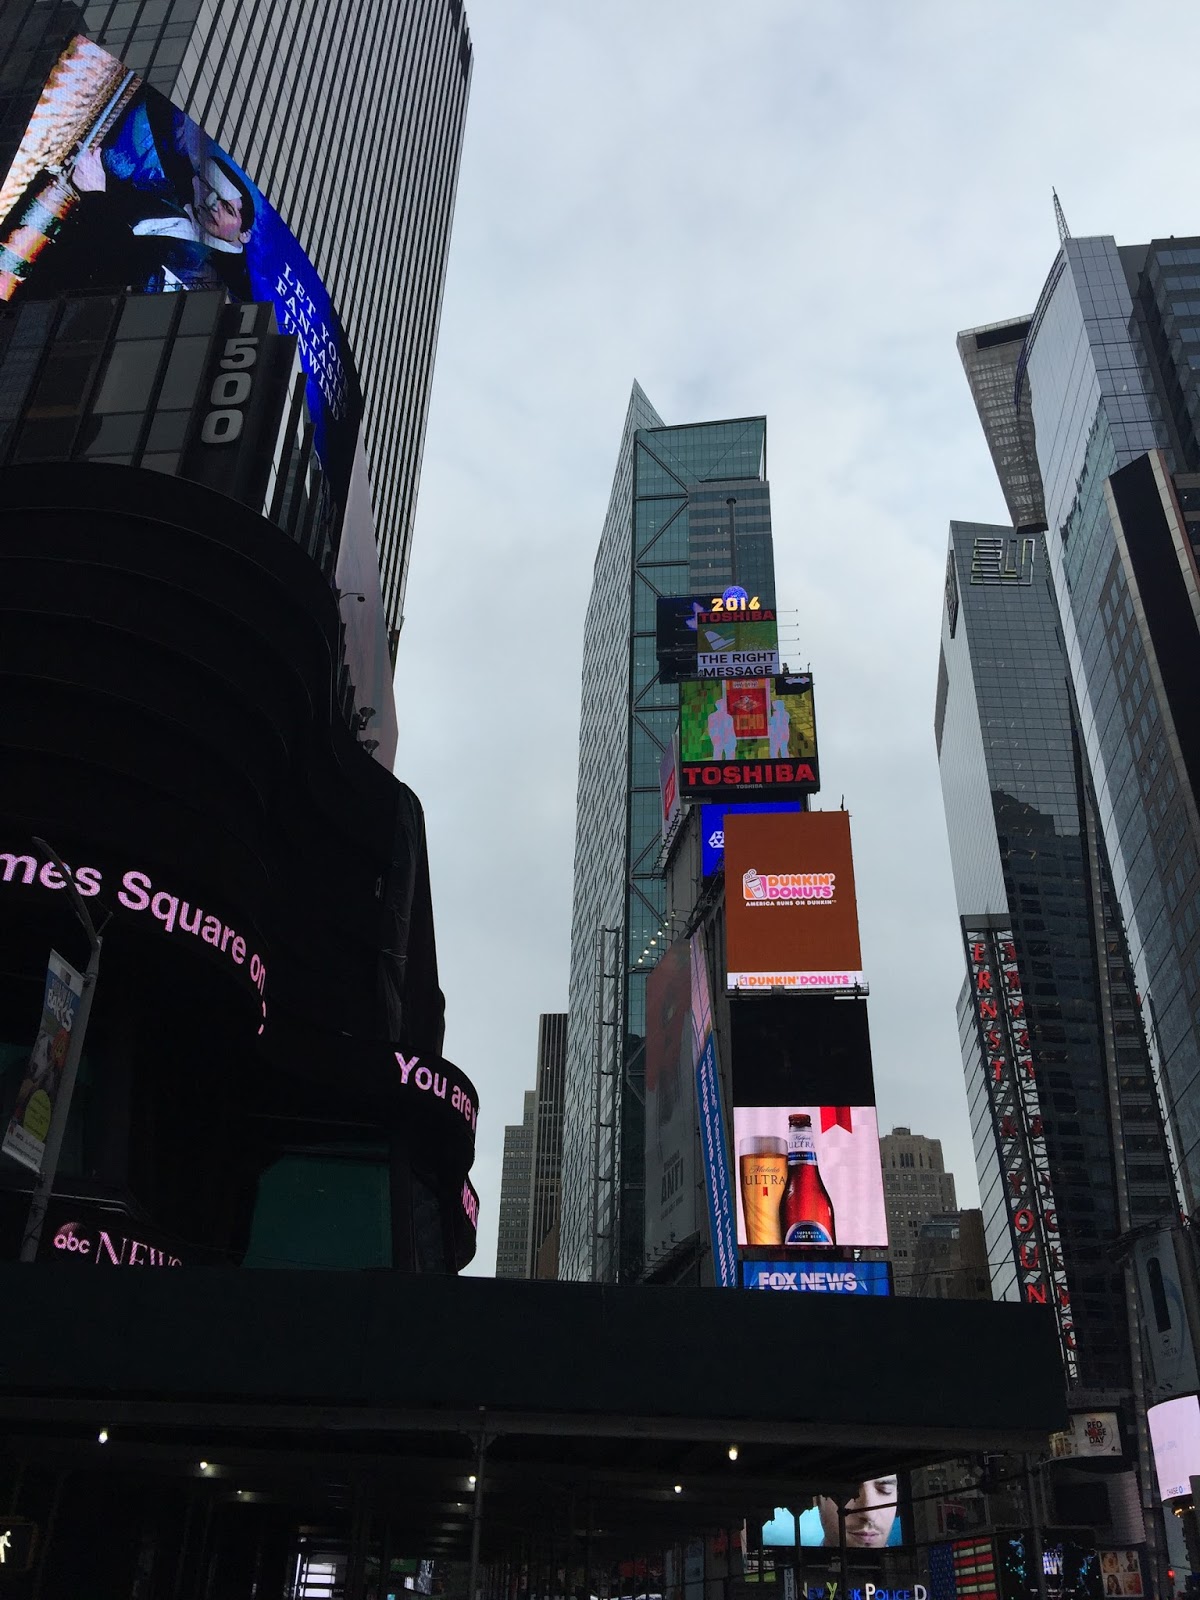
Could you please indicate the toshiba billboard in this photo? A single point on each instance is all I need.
(791, 914)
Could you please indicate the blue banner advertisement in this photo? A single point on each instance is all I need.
(712, 829)
(818, 1277)
(714, 1147)
(716, 1167)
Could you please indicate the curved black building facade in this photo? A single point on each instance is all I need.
(262, 1080)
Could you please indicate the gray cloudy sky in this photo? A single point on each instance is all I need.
(772, 206)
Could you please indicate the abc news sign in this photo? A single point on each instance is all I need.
(818, 1277)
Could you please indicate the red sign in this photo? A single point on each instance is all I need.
(1016, 1112)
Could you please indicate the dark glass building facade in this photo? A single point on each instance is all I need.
(176, 669)
(546, 1191)
(1069, 1139)
(1102, 418)
(350, 118)
(516, 1169)
(690, 509)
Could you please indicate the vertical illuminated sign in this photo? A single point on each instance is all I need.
(999, 1005)
(714, 1145)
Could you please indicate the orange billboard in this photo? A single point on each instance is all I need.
(791, 915)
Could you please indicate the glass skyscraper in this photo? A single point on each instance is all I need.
(689, 513)
(1069, 1138)
(349, 116)
(1100, 427)
(1028, 862)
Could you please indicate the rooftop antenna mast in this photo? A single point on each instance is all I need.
(1064, 233)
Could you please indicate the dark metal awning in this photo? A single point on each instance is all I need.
(594, 1402)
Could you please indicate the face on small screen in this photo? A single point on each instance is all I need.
(871, 1521)
(870, 1515)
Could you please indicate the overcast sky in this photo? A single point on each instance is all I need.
(769, 206)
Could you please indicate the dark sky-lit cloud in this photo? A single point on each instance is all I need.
(777, 207)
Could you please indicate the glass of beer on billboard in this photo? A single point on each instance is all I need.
(763, 1168)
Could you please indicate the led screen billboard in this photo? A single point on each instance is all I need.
(1175, 1440)
(714, 1146)
(694, 641)
(872, 1519)
(668, 790)
(818, 1277)
(791, 913)
(809, 1177)
(712, 828)
(114, 187)
(819, 1051)
(1070, 1565)
(1165, 1330)
(670, 1113)
(29, 1125)
(747, 734)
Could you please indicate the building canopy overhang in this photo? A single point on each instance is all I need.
(320, 1391)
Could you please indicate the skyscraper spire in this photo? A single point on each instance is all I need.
(1064, 233)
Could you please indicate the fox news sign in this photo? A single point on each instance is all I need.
(818, 1277)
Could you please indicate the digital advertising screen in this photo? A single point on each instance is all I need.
(694, 641)
(1071, 1567)
(712, 827)
(668, 790)
(714, 1146)
(748, 734)
(872, 1520)
(818, 1051)
(791, 912)
(809, 1178)
(818, 1277)
(1165, 1331)
(1175, 1441)
(670, 1114)
(114, 187)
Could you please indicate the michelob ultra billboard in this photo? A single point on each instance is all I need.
(809, 1178)
(791, 912)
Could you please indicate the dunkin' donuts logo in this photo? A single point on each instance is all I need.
(760, 886)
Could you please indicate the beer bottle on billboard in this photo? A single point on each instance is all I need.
(806, 1211)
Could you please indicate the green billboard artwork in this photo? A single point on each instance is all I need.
(747, 719)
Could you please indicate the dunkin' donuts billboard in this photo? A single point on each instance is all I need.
(791, 911)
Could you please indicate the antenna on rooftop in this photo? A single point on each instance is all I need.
(1064, 233)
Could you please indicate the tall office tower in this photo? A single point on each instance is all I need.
(689, 512)
(351, 120)
(1035, 894)
(1069, 1143)
(546, 1177)
(515, 1180)
(1108, 368)
(916, 1186)
(950, 1262)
